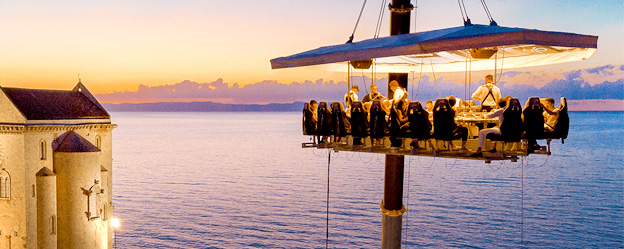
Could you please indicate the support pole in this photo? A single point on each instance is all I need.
(392, 205)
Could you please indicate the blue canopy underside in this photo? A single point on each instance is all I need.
(449, 46)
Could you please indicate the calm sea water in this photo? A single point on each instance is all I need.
(242, 180)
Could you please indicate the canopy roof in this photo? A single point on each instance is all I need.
(448, 50)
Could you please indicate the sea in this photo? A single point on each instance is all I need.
(243, 180)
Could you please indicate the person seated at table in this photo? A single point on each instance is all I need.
(551, 114)
(496, 113)
(429, 108)
(487, 94)
(458, 103)
(312, 107)
(349, 98)
(401, 109)
(459, 132)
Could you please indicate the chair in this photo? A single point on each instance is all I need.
(533, 119)
(420, 126)
(324, 124)
(340, 124)
(359, 122)
(394, 126)
(443, 120)
(511, 128)
(377, 120)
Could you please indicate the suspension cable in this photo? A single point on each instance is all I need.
(487, 12)
(327, 212)
(409, 183)
(434, 78)
(522, 205)
(364, 82)
(380, 18)
(415, 13)
(422, 62)
(462, 9)
(356, 23)
(502, 64)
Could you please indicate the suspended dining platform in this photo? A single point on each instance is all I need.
(422, 135)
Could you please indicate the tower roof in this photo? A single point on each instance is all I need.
(37, 104)
(72, 142)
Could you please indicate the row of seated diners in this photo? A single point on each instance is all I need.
(519, 124)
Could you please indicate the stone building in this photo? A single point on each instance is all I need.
(55, 169)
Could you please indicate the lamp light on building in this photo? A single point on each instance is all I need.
(115, 224)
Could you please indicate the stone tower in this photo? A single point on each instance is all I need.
(55, 169)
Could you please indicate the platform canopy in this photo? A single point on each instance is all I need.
(449, 50)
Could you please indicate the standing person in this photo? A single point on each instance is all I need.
(349, 98)
(487, 94)
(373, 95)
(399, 93)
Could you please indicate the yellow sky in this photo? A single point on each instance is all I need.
(116, 45)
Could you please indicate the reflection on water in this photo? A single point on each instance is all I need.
(242, 180)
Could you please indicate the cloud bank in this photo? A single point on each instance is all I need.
(574, 85)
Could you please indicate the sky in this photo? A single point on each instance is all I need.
(120, 46)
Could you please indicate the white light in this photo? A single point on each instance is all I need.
(115, 222)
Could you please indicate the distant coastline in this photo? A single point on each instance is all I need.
(201, 107)
(573, 105)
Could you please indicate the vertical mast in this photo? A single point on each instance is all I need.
(392, 205)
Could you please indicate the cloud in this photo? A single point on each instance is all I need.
(601, 70)
(574, 85)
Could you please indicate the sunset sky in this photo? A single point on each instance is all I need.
(118, 45)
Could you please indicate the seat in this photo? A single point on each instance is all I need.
(533, 119)
(308, 122)
(394, 126)
(324, 124)
(511, 128)
(420, 126)
(341, 126)
(443, 120)
(377, 120)
(359, 122)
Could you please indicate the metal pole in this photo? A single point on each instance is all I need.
(392, 205)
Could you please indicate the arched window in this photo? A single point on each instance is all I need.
(43, 149)
(98, 142)
(93, 200)
(5, 184)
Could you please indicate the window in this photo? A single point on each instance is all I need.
(43, 150)
(98, 142)
(53, 224)
(93, 200)
(104, 216)
(5, 184)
